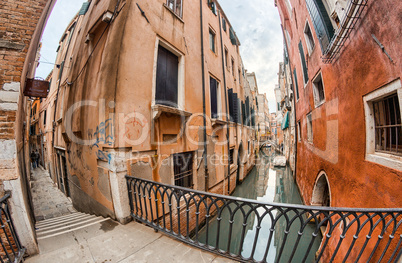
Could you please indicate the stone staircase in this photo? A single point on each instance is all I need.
(64, 224)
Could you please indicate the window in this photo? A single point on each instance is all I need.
(212, 6)
(321, 21)
(233, 67)
(309, 128)
(166, 78)
(387, 124)
(303, 62)
(231, 156)
(383, 125)
(214, 97)
(224, 24)
(175, 6)
(298, 131)
(183, 169)
(318, 90)
(44, 117)
(227, 58)
(296, 84)
(309, 38)
(239, 75)
(212, 40)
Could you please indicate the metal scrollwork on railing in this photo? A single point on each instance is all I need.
(249, 230)
(11, 249)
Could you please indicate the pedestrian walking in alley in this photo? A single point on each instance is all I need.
(33, 159)
(37, 157)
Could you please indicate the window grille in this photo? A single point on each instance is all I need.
(183, 169)
(387, 119)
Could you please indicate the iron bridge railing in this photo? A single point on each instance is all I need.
(248, 230)
(11, 249)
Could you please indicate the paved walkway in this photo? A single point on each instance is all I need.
(109, 241)
(67, 236)
(48, 200)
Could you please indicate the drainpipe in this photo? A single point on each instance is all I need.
(58, 86)
(203, 100)
(226, 96)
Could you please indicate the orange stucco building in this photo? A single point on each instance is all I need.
(131, 85)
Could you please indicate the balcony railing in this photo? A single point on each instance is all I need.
(11, 249)
(353, 13)
(269, 232)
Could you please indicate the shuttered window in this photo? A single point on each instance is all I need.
(166, 78)
(213, 84)
(84, 8)
(236, 108)
(230, 102)
(296, 85)
(303, 62)
(247, 108)
(321, 21)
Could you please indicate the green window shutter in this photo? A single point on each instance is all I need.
(304, 64)
(321, 21)
(232, 36)
(296, 85)
(285, 122)
(84, 8)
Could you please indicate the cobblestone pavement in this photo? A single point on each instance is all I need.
(48, 200)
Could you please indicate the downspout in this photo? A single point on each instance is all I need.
(58, 86)
(203, 101)
(226, 100)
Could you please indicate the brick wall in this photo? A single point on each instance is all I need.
(18, 20)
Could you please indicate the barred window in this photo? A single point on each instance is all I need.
(183, 169)
(388, 125)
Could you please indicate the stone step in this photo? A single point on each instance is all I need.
(64, 222)
(55, 219)
(70, 228)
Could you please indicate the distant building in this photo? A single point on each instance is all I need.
(263, 117)
(285, 113)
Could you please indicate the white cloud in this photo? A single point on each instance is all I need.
(257, 24)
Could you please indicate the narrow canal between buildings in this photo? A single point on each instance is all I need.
(265, 183)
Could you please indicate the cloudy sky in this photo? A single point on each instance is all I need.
(258, 28)
(256, 23)
(63, 12)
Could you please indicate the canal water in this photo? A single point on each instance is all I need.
(264, 183)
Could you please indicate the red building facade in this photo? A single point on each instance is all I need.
(345, 60)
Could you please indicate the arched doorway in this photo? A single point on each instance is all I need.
(321, 191)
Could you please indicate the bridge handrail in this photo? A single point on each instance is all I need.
(11, 249)
(182, 212)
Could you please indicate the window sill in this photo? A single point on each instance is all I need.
(318, 104)
(157, 110)
(385, 159)
(173, 13)
(217, 122)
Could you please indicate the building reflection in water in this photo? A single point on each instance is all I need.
(265, 183)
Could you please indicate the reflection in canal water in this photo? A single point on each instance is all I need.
(266, 184)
